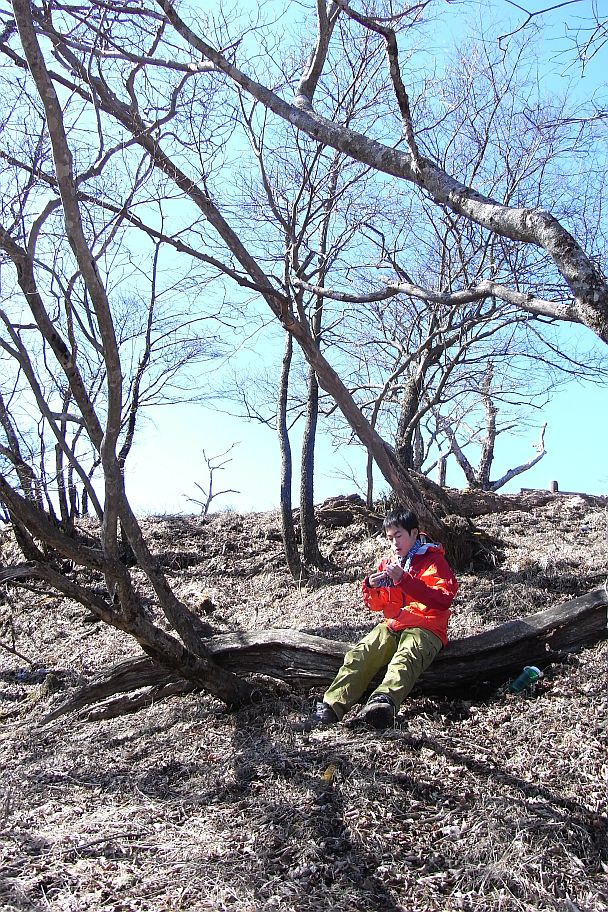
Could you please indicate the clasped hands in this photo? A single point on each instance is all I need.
(395, 571)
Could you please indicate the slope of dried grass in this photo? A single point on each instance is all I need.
(498, 804)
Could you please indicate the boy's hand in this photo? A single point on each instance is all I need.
(377, 579)
(395, 571)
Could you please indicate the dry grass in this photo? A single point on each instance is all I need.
(498, 804)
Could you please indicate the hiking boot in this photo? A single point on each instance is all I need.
(379, 712)
(322, 715)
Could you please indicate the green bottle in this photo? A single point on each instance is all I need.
(529, 676)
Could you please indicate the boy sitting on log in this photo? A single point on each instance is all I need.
(413, 588)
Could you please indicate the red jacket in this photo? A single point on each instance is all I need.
(423, 596)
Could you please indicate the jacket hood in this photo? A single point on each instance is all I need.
(428, 546)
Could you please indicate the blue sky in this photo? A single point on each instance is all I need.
(168, 460)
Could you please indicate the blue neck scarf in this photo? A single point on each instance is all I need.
(406, 562)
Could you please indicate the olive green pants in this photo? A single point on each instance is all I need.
(406, 654)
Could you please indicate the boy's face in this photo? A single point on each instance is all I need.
(400, 539)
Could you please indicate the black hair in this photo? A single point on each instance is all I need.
(407, 519)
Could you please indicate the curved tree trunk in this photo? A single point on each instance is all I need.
(483, 660)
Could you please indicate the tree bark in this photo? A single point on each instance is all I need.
(290, 544)
(487, 450)
(404, 437)
(310, 542)
(487, 658)
(308, 523)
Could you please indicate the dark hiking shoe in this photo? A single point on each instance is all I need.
(322, 715)
(379, 712)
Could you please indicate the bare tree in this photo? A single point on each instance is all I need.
(80, 352)
(479, 478)
(163, 101)
(213, 464)
(526, 225)
(585, 35)
(419, 356)
(308, 202)
(579, 272)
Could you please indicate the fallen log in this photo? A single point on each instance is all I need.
(471, 503)
(474, 663)
(540, 639)
(485, 658)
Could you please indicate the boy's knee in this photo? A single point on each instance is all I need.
(355, 656)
